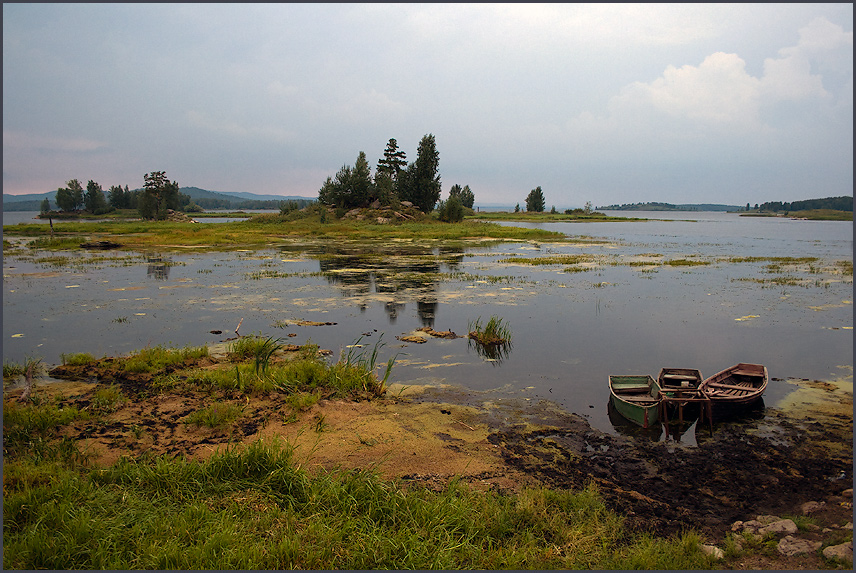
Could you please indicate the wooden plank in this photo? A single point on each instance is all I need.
(732, 387)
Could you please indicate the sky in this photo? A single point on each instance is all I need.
(608, 103)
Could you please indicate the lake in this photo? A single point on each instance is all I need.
(632, 307)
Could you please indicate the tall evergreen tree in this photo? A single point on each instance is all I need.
(421, 185)
(351, 188)
(465, 195)
(535, 200)
(160, 195)
(393, 160)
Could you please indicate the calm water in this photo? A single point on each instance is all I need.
(570, 329)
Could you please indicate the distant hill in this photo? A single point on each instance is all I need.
(202, 197)
(652, 206)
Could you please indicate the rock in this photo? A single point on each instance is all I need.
(811, 506)
(847, 493)
(713, 551)
(843, 551)
(781, 526)
(791, 545)
(768, 519)
(375, 204)
(737, 526)
(849, 526)
(406, 204)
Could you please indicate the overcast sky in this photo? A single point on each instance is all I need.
(605, 103)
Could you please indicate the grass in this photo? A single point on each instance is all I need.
(215, 415)
(554, 260)
(254, 508)
(262, 230)
(156, 358)
(495, 332)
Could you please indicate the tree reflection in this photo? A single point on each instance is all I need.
(158, 267)
(392, 275)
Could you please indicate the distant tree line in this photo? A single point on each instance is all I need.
(844, 203)
(396, 181)
(153, 201)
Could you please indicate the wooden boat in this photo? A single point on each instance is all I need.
(636, 397)
(684, 380)
(741, 384)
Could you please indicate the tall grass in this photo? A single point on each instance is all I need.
(253, 508)
(156, 358)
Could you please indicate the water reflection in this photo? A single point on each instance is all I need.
(390, 273)
(158, 267)
(493, 353)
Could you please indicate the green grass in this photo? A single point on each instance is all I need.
(157, 358)
(77, 359)
(554, 260)
(264, 229)
(215, 415)
(685, 263)
(254, 508)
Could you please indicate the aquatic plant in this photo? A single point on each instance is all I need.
(495, 332)
(355, 369)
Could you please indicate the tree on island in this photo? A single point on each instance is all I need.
(465, 195)
(420, 182)
(535, 200)
(393, 160)
(70, 198)
(159, 195)
(94, 198)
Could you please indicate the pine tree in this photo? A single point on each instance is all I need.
(535, 200)
(393, 160)
(420, 182)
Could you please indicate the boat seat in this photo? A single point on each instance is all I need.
(679, 377)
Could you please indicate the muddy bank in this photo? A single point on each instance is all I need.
(745, 467)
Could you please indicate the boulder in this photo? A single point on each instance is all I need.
(811, 506)
(768, 519)
(790, 545)
(713, 551)
(843, 551)
(406, 204)
(781, 526)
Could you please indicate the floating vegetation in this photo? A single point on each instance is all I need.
(685, 263)
(554, 260)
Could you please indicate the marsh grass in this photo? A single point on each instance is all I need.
(554, 260)
(12, 370)
(685, 263)
(494, 332)
(253, 508)
(215, 415)
(107, 399)
(156, 358)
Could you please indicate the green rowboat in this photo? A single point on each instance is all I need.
(636, 397)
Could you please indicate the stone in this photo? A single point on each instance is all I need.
(848, 525)
(768, 519)
(781, 526)
(737, 526)
(843, 551)
(713, 551)
(790, 545)
(406, 204)
(811, 506)
(847, 493)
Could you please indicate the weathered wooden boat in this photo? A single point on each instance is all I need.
(742, 384)
(683, 380)
(636, 397)
(682, 397)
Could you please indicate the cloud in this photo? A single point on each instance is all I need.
(21, 141)
(232, 128)
(718, 97)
